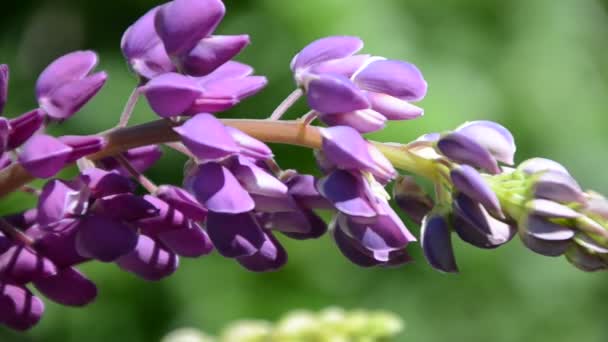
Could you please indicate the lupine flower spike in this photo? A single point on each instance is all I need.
(235, 198)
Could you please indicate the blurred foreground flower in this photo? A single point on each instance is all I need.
(328, 325)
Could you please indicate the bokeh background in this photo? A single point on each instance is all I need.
(539, 67)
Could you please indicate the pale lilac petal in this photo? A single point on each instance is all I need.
(462, 149)
(346, 66)
(493, 137)
(535, 165)
(325, 49)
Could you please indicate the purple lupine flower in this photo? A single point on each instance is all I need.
(149, 260)
(211, 52)
(468, 181)
(358, 91)
(143, 48)
(43, 156)
(181, 24)
(545, 237)
(21, 265)
(173, 94)
(104, 239)
(19, 308)
(182, 200)
(349, 193)
(493, 137)
(269, 257)
(235, 235)
(59, 200)
(65, 85)
(23, 127)
(559, 187)
(4, 75)
(101, 183)
(462, 149)
(68, 287)
(437, 244)
(475, 225)
(359, 255)
(219, 191)
(216, 143)
(345, 148)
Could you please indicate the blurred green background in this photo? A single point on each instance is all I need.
(539, 67)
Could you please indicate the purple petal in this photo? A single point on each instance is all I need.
(44, 156)
(347, 193)
(474, 225)
(23, 127)
(228, 70)
(329, 93)
(181, 24)
(386, 233)
(235, 235)
(125, 207)
(143, 48)
(493, 137)
(535, 165)
(345, 147)
(19, 308)
(4, 75)
(218, 190)
(211, 52)
(59, 200)
(364, 121)
(168, 218)
(141, 158)
(437, 244)
(21, 265)
(257, 180)
(188, 242)
(558, 187)
(351, 249)
(249, 146)
(83, 145)
(394, 78)
(462, 149)
(346, 66)
(103, 183)
(550, 209)
(68, 287)
(544, 229)
(58, 245)
(270, 257)
(584, 260)
(304, 190)
(545, 247)
(70, 97)
(223, 94)
(325, 49)
(65, 69)
(393, 108)
(468, 181)
(149, 260)
(104, 239)
(207, 138)
(183, 201)
(590, 244)
(299, 225)
(171, 94)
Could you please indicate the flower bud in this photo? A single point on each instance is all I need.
(330, 93)
(491, 136)
(558, 187)
(82, 146)
(545, 237)
(348, 193)
(216, 143)
(468, 181)
(68, 287)
(219, 191)
(535, 165)
(171, 94)
(270, 257)
(23, 127)
(437, 244)
(235, 235)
